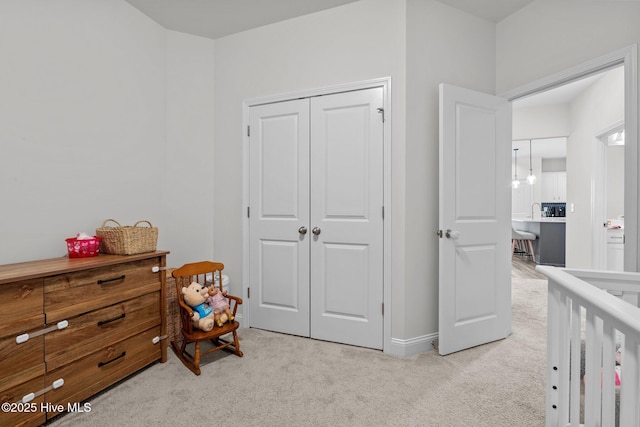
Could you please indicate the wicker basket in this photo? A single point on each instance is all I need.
(127, 240)
(77, 248)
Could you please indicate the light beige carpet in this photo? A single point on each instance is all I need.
(291, 381)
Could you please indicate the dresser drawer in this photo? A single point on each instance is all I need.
(103, 368)
(20, 362)
(21, 307)
(91, 322)
(101, 328)
(68, 295)
(29, 414)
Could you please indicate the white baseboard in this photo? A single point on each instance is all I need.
(399, 347)
(412, 346)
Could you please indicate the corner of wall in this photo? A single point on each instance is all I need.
(412, 346)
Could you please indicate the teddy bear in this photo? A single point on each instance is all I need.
(220, 304)
(195, 295)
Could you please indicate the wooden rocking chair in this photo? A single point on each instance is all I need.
(205, 273)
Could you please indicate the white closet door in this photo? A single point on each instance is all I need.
(279, 203)
(347, 218)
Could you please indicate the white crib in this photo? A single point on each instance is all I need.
(593, 316)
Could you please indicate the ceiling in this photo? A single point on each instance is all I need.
(559, 95)
(218, 18)
(547, 148)
(492, 10)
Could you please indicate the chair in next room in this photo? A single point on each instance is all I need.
(523, 240)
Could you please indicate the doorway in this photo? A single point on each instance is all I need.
(581, 200)
(608, 224)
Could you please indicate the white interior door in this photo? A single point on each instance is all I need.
(279, 203)
(316, 217)
(475, 219)
(347, 218)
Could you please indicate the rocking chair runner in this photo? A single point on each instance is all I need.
(201, 272)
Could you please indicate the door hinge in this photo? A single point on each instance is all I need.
(381, 111)
(248, 211)
(248, 292)
(383, 212)
(383, 309)
(248, 130)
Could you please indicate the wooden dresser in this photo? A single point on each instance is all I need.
(69, 328)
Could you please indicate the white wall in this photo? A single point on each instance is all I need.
(106, 115)
(596, 109)
(548, 37)
(443, 45)
(356, 42)
(81, 121)
(188, 198)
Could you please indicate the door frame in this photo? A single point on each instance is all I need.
(599, 195)
(385, 84)
(626, 56)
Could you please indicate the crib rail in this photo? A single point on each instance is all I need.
(595, 308)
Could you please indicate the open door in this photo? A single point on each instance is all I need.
(475, 219)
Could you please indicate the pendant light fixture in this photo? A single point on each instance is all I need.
(515, 183)
(531, 179)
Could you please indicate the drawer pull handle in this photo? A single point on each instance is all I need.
(101, 364)
(25, 291)
(25, 337)
(29, 397)
(115, 279)
(104, 322)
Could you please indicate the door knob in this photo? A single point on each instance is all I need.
(316, 231)
(451, 234)
(302, 230)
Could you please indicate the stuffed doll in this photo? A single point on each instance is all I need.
(220, 305)
(195, 295)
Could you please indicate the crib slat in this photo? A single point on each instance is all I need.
(574, 405)
(558, 319)
(551, 395)
(564, 361)
(593, 363)
(608, 372)
(629, 384)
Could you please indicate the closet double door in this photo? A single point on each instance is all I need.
(316, 217)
